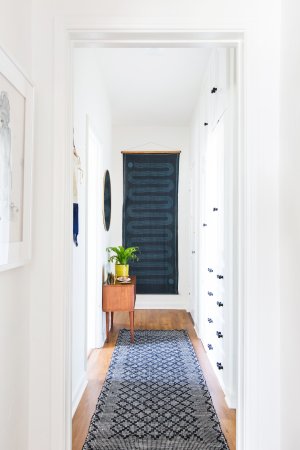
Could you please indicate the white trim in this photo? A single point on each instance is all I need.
(231, 400)
(16, 254)
(79, 393)
(160, 302)
(98, 322)
(66, 31)
(17, 66)
(61, 387)
(102, 339)
(243, 243)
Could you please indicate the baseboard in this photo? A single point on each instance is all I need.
(231, 401)
(160, 302)
(79, 392)
(101, 340)
(197, 330)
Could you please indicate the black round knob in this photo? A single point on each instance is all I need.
(210, 320)
(210, 270)
(219, 334)
(210, 293)
(210, 347)
(220, 366)
(220, 304)
(220, 277)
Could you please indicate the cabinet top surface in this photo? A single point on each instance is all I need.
(118, 284)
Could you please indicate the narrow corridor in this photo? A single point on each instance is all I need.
(99, 361)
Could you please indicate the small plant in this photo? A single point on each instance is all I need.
(123, 255)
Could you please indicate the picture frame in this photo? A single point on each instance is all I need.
(16, 153)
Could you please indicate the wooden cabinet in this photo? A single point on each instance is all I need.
(119, 297)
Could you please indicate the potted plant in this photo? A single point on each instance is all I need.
(121, 257)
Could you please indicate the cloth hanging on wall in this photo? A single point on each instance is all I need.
(150, 219)
(75, 223)
(77, 179)
(77, 175)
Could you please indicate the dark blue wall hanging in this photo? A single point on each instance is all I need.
(150, 219)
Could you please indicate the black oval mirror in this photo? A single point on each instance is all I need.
(107, 201)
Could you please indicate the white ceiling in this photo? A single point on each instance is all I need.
(152, 86)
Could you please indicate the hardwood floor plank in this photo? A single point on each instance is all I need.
(99, 361)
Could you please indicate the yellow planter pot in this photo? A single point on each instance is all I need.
(122, 270)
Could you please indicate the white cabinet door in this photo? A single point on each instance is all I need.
(217, 87)
(215, 334)
(217, 298)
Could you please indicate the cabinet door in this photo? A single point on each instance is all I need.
(214, 246)
(217, 200)
(217, 86)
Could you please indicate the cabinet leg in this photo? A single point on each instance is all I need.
(107, 326)
(111, 320)
(131, 316)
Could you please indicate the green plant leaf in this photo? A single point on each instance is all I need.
(122, 255)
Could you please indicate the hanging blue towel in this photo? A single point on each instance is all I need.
(75, 223)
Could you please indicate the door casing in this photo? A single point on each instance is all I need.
(72, 32)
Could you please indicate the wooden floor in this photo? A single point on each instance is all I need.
(99, 362)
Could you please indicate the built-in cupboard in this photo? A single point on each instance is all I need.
(213, 300)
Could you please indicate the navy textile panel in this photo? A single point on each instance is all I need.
(150, 219)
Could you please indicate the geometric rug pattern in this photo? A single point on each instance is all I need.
(155, 397)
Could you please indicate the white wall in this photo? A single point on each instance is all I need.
(261, 22)
(15, 39)
(15, 31)
(290, 224)
(90, 98)
(14, 357)
(155, 138)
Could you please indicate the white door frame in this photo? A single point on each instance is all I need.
(87, 31)
(98, 171)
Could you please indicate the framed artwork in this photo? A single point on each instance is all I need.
(16, 146)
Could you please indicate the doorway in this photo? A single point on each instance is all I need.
(177, 41)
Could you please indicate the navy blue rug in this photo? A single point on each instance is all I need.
(155, 397)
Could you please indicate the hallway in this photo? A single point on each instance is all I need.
(44, 345)
(99, 361)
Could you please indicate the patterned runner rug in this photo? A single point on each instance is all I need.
(155, 398)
